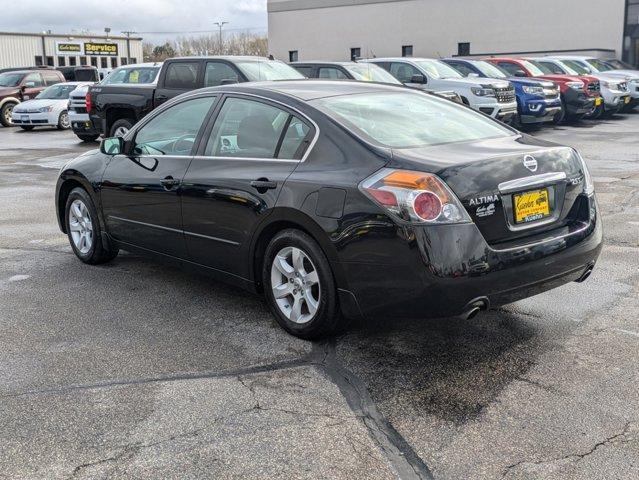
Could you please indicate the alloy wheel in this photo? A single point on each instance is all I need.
(120, 132)
(295, 284)
(7, 114)
(80, 226)
(64, 120)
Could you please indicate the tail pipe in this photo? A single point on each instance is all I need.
(586, 273)
(474, 307)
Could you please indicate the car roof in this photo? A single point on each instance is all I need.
(323, 62)
(306, 90)
(138, 65)
(397, 59)
(230, 58)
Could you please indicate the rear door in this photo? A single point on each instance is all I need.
(32, 84)
(180, 76)
(141, 191)
(244, 158)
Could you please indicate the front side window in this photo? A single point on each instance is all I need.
(598, 65)
(511, 68)
(218, 73)
(173, 131)
(554, 68)
(465, 70)
(576, 67)
(331, 73)
(489, 70)
(257, 70)
(438, 69)
(182, 75)
(251, 129)
(404, 72)
(409, 119)
(369, 72)
(535, 68)
(306, 71)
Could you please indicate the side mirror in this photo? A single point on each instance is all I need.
(520, 73)
(29, 84)
(112, 146)
(418, 79)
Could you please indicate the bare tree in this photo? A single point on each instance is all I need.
(244, 43)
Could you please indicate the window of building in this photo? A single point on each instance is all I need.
(50, 61)
(293, 56)
(407, 51)
(123, 61)
(463, 48)
(133, 60)
(94, 61)
(104, 62)
(83, 60)
(62, 62)
(72, 61)
(356, 53)
(38, 60)
(114, 62)
(182, 75)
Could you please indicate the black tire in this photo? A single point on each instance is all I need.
(126, 123)
(63, 121)
(561, 115)
(98, 252)
(87, 138)
(327, 317)
(515, 122)
(595, 113)
(28, 128)
(5, 114)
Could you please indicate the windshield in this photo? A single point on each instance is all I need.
(268, 70)
(619, 65)
(598, 65)
(132, 75)
(574, 68)
(371, 73)
(60, 91)
(10, 79)
(536, 68)
(437, 69)
(409, 119)
(490, 70)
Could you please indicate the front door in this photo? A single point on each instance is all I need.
(236, 178)
(141, 191)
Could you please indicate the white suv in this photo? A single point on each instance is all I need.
(490, 96)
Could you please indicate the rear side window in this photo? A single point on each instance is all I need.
(552, 67)
(173, 131)
(51, 78)
(511, 68)
(181, 75)
(34, 78)
(306, 71)
(251, 129)
(461, 68)
(332, 73)
(403, 72)
(217, 73)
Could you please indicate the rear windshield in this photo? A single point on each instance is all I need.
(10, 79)
(367, 72)
(132, 75)
(409, 119)
(268, 70)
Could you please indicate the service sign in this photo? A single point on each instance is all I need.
(107, 49)
(68, 48)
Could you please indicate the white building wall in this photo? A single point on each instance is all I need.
(435, 27)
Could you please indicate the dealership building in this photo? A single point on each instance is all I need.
(343, 29)
(36, 49)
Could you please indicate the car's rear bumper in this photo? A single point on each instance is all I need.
(439, 270)
(81, 124)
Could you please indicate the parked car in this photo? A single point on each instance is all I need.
(579, 95)
(614, 91)
(114, 109)
(78, 116)
(598, 67)
(492, 97)
(617, 64)
(363, 72)
(21, 85)
(80, 73)
(538, 101)
(337, 197)
(48, 108)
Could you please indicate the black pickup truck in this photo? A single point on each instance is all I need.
(114, 109)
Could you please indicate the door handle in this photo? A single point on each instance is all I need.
(263, 184)
(169, 182)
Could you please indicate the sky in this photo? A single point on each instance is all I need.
(69, 16)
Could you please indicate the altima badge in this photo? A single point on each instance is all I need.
(530, 163)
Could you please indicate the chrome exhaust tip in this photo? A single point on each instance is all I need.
(474, 307)
(586, 274)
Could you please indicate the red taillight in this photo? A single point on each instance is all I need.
(87, 102)
(427, 206)
(384, 197)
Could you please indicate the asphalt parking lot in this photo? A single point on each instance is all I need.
(138, 370)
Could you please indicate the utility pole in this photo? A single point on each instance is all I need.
(220, 25)
(128, 46)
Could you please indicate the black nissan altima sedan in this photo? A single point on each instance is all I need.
(338, 200)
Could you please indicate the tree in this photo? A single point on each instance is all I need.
(244, 43)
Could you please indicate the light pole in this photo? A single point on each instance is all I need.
(220, 25)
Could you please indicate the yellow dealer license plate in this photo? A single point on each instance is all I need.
(598, 101)
(531, 206)
(626, 100)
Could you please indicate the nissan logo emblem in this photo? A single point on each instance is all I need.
(530, 163)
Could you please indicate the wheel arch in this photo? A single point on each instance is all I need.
(67, 182)
(284, 218)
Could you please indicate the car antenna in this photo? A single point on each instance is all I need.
(271, 57)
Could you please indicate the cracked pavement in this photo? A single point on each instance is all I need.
(138, 370)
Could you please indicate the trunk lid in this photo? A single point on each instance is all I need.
(490, 176)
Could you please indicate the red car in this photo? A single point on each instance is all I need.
(579, 94)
